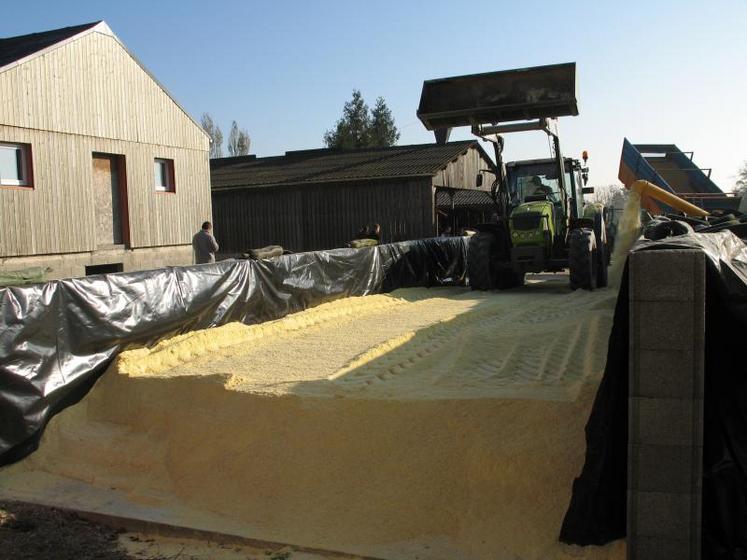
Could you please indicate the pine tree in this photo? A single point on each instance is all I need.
(382, 132)
(351, 131)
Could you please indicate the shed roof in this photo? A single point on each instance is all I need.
(328, 165)
(463, 198)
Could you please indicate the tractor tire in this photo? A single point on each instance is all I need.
(481, 253)
(583, 259)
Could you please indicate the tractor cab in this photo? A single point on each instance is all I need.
(540, 210)
(537, 179)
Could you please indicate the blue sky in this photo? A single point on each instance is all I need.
(655, 72)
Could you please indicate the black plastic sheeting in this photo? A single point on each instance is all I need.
(57, 338)
(597, 512)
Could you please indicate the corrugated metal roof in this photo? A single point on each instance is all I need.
(463, 198)
(326, 165)
(16, 48)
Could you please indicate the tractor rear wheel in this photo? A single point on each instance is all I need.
(583, 259)
(482, 253)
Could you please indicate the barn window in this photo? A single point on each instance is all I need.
(15, 165)
(164, 172)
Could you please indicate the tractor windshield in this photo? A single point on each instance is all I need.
(534, 182)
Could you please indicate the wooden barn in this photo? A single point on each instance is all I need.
(319, 199)
(100, 169)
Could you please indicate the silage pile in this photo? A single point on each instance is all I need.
(435, 424)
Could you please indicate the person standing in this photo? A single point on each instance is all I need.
(204, 244)
(374, 232)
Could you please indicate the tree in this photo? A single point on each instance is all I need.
(216, 136)
(361, 128)
(238, 141)
(609, 195)
(244, 143)
(382, 132)
(604, 194)
(740, 186)
(351, 131)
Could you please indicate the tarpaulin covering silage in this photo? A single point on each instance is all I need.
(57, 338)
(597, 512)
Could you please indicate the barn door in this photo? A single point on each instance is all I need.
(109, 195)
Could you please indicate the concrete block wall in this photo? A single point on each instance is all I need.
(74, 264)
(665, 420)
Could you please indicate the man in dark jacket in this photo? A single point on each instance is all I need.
(204, 244)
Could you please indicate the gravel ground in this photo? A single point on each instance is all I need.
(40, 533)
(29, 531)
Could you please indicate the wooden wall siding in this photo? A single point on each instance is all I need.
(321, 216)
(462, 172)
(93, 87)
(58, 215)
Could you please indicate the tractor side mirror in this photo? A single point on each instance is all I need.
(587, 190)
(478, 180)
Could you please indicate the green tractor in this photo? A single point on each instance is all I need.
(541, 223)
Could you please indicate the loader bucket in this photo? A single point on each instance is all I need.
(498, 97)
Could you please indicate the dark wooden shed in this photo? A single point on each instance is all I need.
(319, 199)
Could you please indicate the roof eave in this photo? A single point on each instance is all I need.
(473, 144)
(342, 180)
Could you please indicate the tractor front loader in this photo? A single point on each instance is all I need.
(541, 222)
